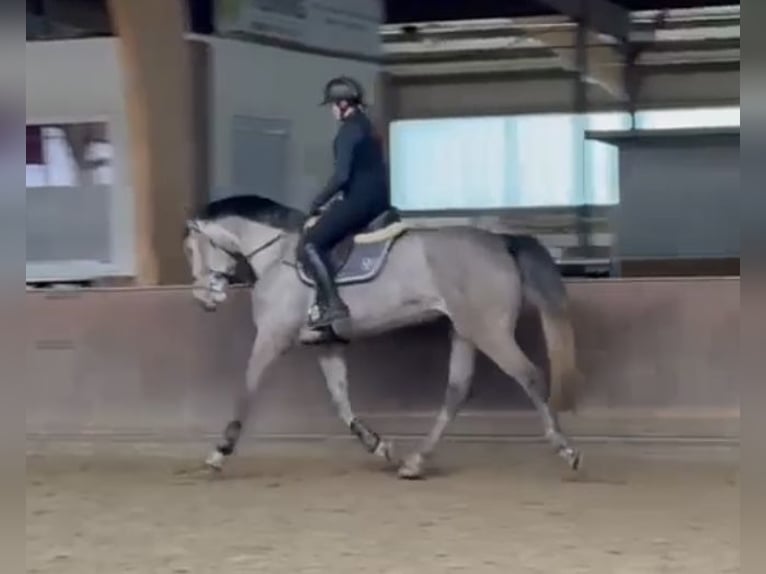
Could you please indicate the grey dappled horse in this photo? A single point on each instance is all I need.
(390, 277)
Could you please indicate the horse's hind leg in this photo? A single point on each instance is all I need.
(503, 349)
(333, 364)
(461, 367)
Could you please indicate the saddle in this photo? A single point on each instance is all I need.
(360, 258)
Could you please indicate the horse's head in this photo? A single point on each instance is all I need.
(212, 252)
(232, 230)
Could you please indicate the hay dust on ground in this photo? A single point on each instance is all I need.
(299, 509)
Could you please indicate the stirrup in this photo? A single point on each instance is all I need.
(321, 336)
(325, 317)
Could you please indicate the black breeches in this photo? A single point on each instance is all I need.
(341, 219)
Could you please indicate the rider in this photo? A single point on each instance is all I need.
(360, 177)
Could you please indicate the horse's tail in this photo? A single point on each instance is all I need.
(544, 289)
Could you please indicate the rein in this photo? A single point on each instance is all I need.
(263, 247)
(233, 254)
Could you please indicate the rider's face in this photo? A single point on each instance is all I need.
(337, 112)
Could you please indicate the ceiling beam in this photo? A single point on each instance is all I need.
(599, 15)
(605, 63)
(598, 62)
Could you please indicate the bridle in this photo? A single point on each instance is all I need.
(218, 278)
(263, 247)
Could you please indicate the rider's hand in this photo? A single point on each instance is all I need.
(316, 207)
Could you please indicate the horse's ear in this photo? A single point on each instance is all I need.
(188, 228)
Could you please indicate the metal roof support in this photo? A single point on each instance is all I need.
(580, 101)
(609, 19)
(632, 74)
(602, 16)
(605, 63)
(612, 68)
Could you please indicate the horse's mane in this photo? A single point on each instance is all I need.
(254, 208)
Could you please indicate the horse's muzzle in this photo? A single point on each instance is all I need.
(211, 294)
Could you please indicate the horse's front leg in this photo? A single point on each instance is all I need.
(269, 344)
(332, 361)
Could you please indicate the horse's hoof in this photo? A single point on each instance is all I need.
(576, 463)
(215, 461)
(573, 457)
(412, 467)
(385, 450)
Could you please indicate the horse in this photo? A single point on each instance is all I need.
(391, 275)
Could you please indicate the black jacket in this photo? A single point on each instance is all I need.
(360, 168)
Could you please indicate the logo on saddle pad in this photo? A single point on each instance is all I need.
(367, 263)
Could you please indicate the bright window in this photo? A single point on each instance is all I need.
(69, 155)
(691, 118)
(453, 164)
(521, 161)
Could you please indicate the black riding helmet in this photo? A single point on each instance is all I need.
(343, 88)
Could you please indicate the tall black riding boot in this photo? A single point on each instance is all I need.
(331, 306)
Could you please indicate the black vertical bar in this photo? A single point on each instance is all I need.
(36, 7)
(632, 81)
(201, 15)
(583, 211)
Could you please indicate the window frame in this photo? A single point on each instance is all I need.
(122, 242)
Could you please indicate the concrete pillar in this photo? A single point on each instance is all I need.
(385, 106)
(158, 91)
